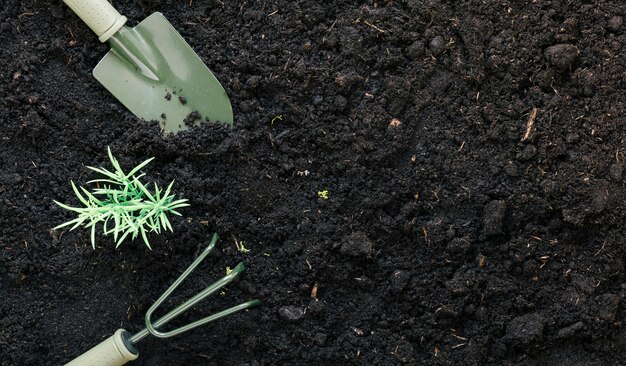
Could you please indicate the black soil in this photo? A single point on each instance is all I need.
(472, 153)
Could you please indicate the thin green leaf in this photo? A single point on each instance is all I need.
(115, 163)
(144, 189)
(122, 238)
(70, 208)
(138, 167)
(167, 191)
(80, 197)
(104, 181)
(165, 222)
(91, 197)
(157, 192)
(145, 238)
(116, 219)
(115, 192)
(76, 222)
(105, 172)
(93, 237)
(178, 204)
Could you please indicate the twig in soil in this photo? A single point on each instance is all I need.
(425, 231)
(332, 26)
(73, 41)
(530, 123)
(601, 249)
(27, 14)
(269, 136)
(374, 26)
(459, 337)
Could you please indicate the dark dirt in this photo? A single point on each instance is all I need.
(445, 238)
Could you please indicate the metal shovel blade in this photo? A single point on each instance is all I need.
(158, 76)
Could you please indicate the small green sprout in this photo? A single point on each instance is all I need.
(276, 118)
(323, 194)
(239, 245)
(241, 248)
(228, 270)
(122, 200)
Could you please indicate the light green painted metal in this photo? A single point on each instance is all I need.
(120, 348)
(151, 326)
(158, 76)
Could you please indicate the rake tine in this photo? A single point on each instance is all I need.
(151, 327)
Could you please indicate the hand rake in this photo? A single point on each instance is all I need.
(121, 346)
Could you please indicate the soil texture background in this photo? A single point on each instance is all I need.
(472, 153)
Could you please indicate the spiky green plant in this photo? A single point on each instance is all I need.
(123, 202)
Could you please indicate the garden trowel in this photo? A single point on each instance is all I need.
(152, 70)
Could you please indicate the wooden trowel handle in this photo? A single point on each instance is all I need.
(99, 15)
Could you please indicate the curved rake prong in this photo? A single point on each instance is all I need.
(151, 327)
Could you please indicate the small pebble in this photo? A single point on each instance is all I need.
(528, 153)
(511, 170)
(616, 172)
(395, 123)
(437, 45)
(615, 23)
(493, 217)
(291, 313)
(357, 245)
(525, 329)
(320, 339)
(399, 280)
(253, 82)
(562, 55)
(570, 330)
(459, 246)
(416, 50)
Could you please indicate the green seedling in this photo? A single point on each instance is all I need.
(123, 205)
(241, 248)
(239, 244)
(323, 194)
(276, 118)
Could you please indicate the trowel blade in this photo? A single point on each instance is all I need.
(184, 91)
